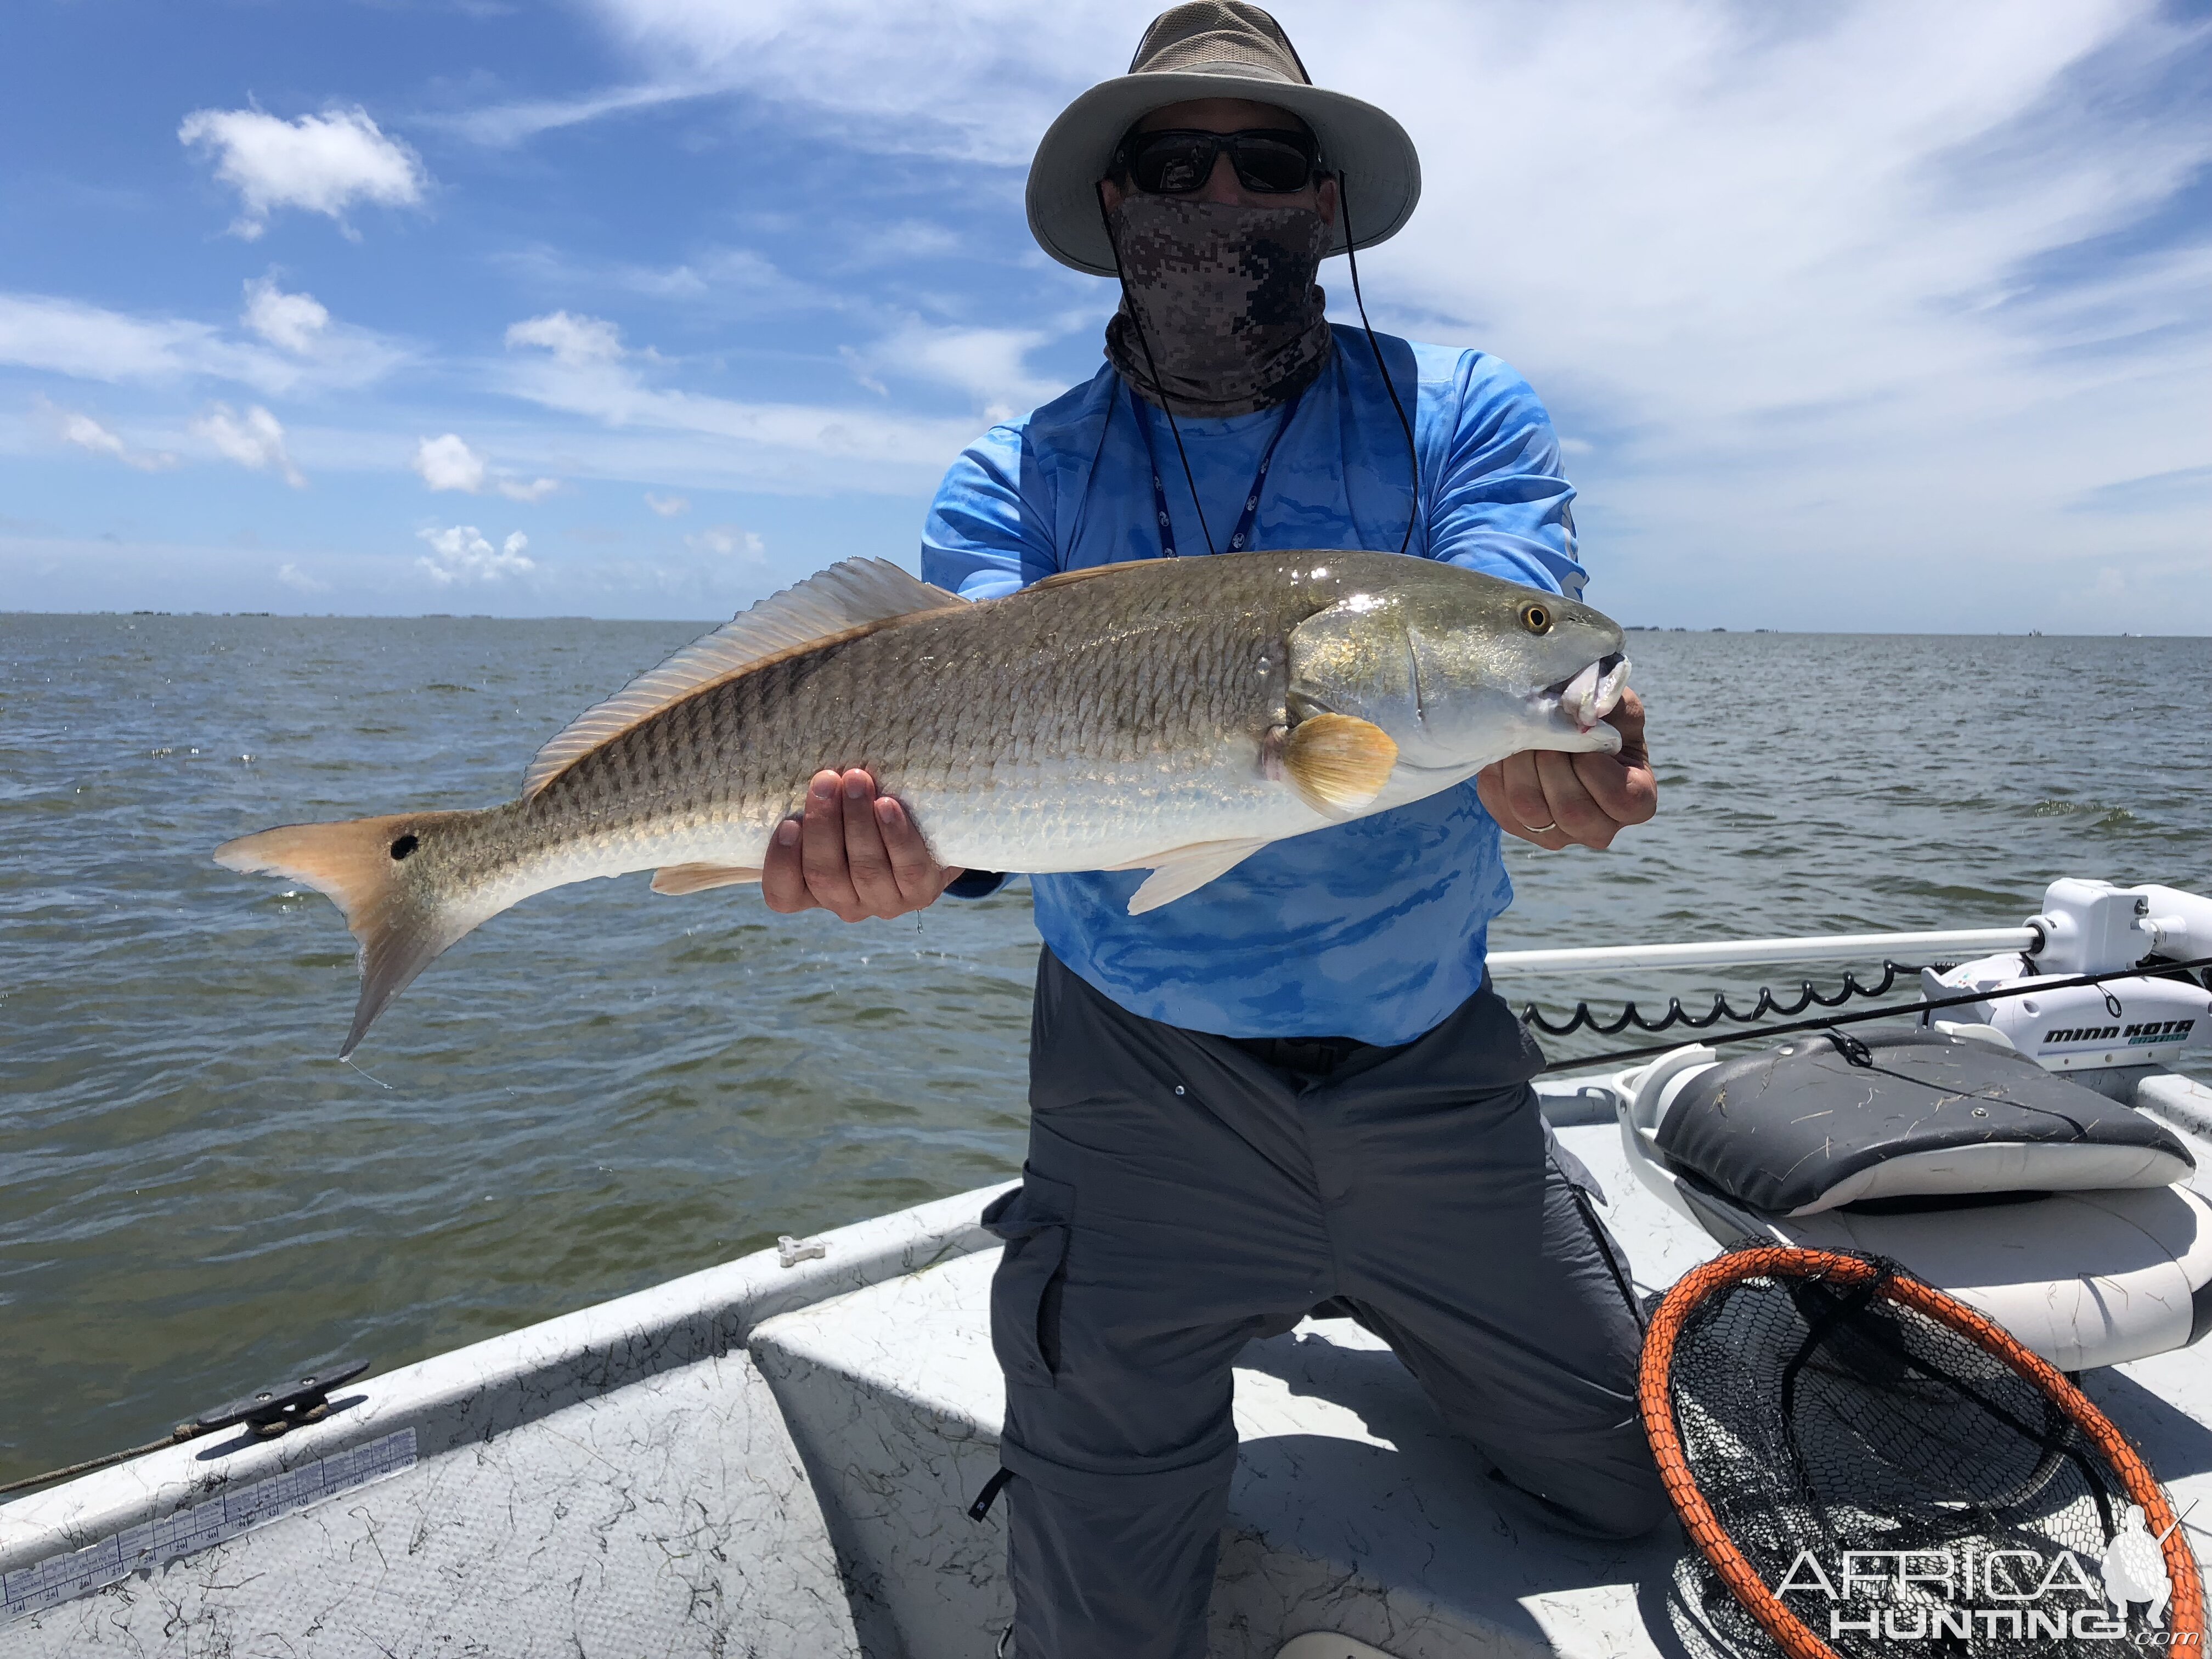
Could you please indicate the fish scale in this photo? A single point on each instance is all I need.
(1171, 714)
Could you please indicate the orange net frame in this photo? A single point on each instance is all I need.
(2186, 1611)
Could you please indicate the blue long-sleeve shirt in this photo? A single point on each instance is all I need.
(1373, 929)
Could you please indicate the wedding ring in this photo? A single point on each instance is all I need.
(1541, 829)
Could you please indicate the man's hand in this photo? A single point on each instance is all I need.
(1557, 800)
(853, 853)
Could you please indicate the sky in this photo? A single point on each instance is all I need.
(1870, 315)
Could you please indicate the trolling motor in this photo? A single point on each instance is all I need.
(2095, 927)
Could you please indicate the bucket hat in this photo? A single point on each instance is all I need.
(1214, 49)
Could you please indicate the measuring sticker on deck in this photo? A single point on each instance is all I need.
(214, 1520)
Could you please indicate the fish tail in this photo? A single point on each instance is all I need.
(379, 872)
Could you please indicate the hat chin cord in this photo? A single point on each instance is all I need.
(1167, 403)
(1351, 258)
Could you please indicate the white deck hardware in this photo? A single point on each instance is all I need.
(790, 1252)
(1748, 952)
(2084, 927)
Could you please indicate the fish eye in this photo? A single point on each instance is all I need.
(403, 847)
(1536, 618)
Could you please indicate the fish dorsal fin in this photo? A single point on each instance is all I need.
(856, 596)
(1065, 578)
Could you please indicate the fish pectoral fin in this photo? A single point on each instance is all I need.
(698, 878)
(1337, 764)
(1187, 869)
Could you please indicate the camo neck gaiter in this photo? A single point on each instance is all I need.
(1228, 303)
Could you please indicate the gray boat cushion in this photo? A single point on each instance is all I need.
(1798, 1129)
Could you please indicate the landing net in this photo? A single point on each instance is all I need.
(1869, 1467)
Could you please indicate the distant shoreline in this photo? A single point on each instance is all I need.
(706, 623)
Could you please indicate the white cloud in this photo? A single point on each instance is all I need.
(574, 341)
(462, 555)
(977, 82)
(321, 163)
(909, 238)
(66, 337)
(667, 506)
(986, 363)
(90, 343)
(74, 427)
(87, 433)
(503, 125)
(292, 577)
(585, 370)
(1804, 284)
(292, 322)
(725, 281)
(727, 541)
(253, 440)
(448, 463)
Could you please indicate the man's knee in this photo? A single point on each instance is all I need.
(1609, 1491)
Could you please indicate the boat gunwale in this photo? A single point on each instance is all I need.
(470, 1394)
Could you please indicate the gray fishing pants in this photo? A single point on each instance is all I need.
(1182, 1195)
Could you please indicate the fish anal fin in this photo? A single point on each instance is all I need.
(1337, 764)
(1187, 869)
(698, 878)
(845, 602)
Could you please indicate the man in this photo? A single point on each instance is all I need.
(1294, 1087)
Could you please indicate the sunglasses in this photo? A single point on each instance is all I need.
(1175, 162)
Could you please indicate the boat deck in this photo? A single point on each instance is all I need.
(777, 1461)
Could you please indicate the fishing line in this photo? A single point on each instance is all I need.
(2032, 989)
(176, 1436)
(1167, 406)
(1413, 455)
(347, 1059)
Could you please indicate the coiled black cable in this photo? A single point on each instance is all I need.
(1808, 997)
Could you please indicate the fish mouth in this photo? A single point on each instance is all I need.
(1588, 697)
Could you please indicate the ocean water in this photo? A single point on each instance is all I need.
(606, 1088)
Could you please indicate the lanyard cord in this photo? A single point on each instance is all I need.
(1414, 511)
(1166, 405)
(1240, 539)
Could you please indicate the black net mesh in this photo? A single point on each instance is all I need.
(1901, 1489)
